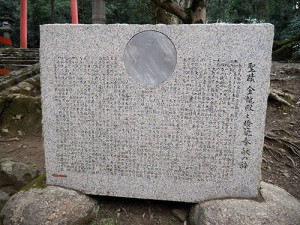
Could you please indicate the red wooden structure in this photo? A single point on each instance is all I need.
(23, 20)
(4, 71)
(23, 27)
(23, 24)
(74, 12)
(5, 41)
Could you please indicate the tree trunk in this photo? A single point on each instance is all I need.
(98, 7)
(195, 13)
(199, 16)
(160, 16)
(266, 5)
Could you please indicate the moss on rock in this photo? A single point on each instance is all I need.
(3, 103)
(39, 182)
(21, 113)
(286, 49)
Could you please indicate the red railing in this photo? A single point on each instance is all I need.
(5, 41)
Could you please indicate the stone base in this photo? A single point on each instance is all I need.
(278, 207)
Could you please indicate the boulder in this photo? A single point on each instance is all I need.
(180, 214)
(16, 174)
(3, 199)
(287, 49)
(29, 107)
(51, 205)
(277, 208)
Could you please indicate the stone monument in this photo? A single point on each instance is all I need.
(155, 111)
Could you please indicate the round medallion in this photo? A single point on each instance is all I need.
(150, 58)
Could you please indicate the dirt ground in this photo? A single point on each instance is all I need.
(280, 166)
(281, 160)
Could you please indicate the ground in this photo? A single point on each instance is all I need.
(280, 166)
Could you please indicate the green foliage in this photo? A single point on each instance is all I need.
(281, 13)
(296, 53)
(292, 29)
(216, 11)
(287, 49)
(129, 11)
(39, 182)
(230, 11)
(84, 11)
(38, 13)
(237, 11)
(103, 217)
(10, 8)
(284, 14)
(105, 221)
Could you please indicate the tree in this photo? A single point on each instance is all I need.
(237, 11)
(11, 9)
(281, 13)
(193, 12)
(84, 11)
(284, 14)
(129, 11)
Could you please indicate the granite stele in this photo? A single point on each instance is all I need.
(155, 111)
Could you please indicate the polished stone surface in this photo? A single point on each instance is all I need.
(197, 135)
(150, 58)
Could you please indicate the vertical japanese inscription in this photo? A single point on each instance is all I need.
(218, 95)
(249, 108)
(194, 137)
(216, 106)
(79, 83)
(90, 142)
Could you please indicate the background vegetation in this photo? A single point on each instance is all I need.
(284, 14)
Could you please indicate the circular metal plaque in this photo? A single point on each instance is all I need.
(150, 58)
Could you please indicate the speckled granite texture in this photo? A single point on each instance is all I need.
(192, 136)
